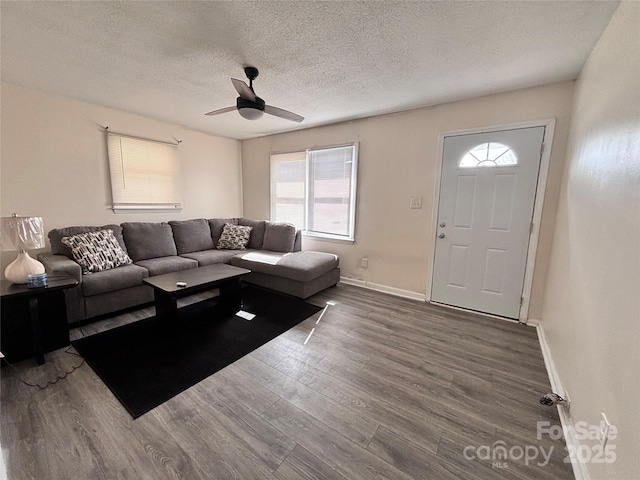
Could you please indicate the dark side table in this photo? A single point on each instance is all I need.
(34, 320)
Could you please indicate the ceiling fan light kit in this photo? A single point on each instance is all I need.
(249, 105)
(250, 110)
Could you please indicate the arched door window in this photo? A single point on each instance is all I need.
(490, 154)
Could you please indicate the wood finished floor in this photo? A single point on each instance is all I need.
(384, 388)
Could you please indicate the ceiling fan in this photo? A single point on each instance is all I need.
(249, 105)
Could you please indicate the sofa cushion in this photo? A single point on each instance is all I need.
(257, 231)
(162, 265)
(234, 237)
(209, 257)
(59, 248)
(279, 237)
(96, 251)
(148, 240)
(192, 235)
(115, 279)
(299, 266)
(217, 224)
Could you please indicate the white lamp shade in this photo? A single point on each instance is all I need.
(23, 266)
(21, 233)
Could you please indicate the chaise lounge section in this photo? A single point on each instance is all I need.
(272, 252)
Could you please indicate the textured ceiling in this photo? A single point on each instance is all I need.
(327, 61)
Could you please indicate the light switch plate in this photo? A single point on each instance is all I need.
(416, 202)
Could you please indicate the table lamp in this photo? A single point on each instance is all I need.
(22, 233)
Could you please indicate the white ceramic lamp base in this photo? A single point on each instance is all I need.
(17, 271)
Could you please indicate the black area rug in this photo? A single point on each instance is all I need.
(146, 363)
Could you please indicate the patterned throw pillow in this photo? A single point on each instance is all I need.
(234, 237)
(96, 251)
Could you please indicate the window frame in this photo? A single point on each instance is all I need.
(350, 236)
(488, 162)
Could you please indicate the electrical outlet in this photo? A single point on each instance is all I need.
(416, 202)
(364, 263)
(603, 431)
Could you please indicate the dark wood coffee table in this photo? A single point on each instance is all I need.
(222, 276)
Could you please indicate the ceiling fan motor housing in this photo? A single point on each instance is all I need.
(244, 103)
(250, 110)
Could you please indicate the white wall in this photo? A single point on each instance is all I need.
(398, 158)
(591, 312)
(54, 162)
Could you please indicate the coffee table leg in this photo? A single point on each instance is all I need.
(166, 306)
(231, 294)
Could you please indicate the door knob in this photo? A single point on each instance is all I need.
(442, 224)
(441, 235)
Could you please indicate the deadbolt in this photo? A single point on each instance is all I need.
(442, 224)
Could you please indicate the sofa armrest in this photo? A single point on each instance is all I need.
(297, 245)
(60, 265)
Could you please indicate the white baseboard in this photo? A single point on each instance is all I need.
(398, 292)
(580, 470)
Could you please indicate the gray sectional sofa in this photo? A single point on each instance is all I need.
(273, 254)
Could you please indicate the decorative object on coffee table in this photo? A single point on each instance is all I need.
(22, 233)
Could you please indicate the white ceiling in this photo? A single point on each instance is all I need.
(327, 61)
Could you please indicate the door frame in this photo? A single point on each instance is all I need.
(543, 173)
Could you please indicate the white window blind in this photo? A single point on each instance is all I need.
(144, 174)
(288, 188)
(315, 190)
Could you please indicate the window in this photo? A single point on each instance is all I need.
(490, 154)
(144, 174)
(315, 190)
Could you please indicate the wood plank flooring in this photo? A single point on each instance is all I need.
(384, 388)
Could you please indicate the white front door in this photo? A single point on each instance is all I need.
(487, 194)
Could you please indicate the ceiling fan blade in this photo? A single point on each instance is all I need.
(222, 110)
(279, 112)
(243, 90)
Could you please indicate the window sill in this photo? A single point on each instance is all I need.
(328, 238)
(146, 208)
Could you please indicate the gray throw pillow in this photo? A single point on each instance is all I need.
(192, 235)
(279, 237)
(148, 240)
